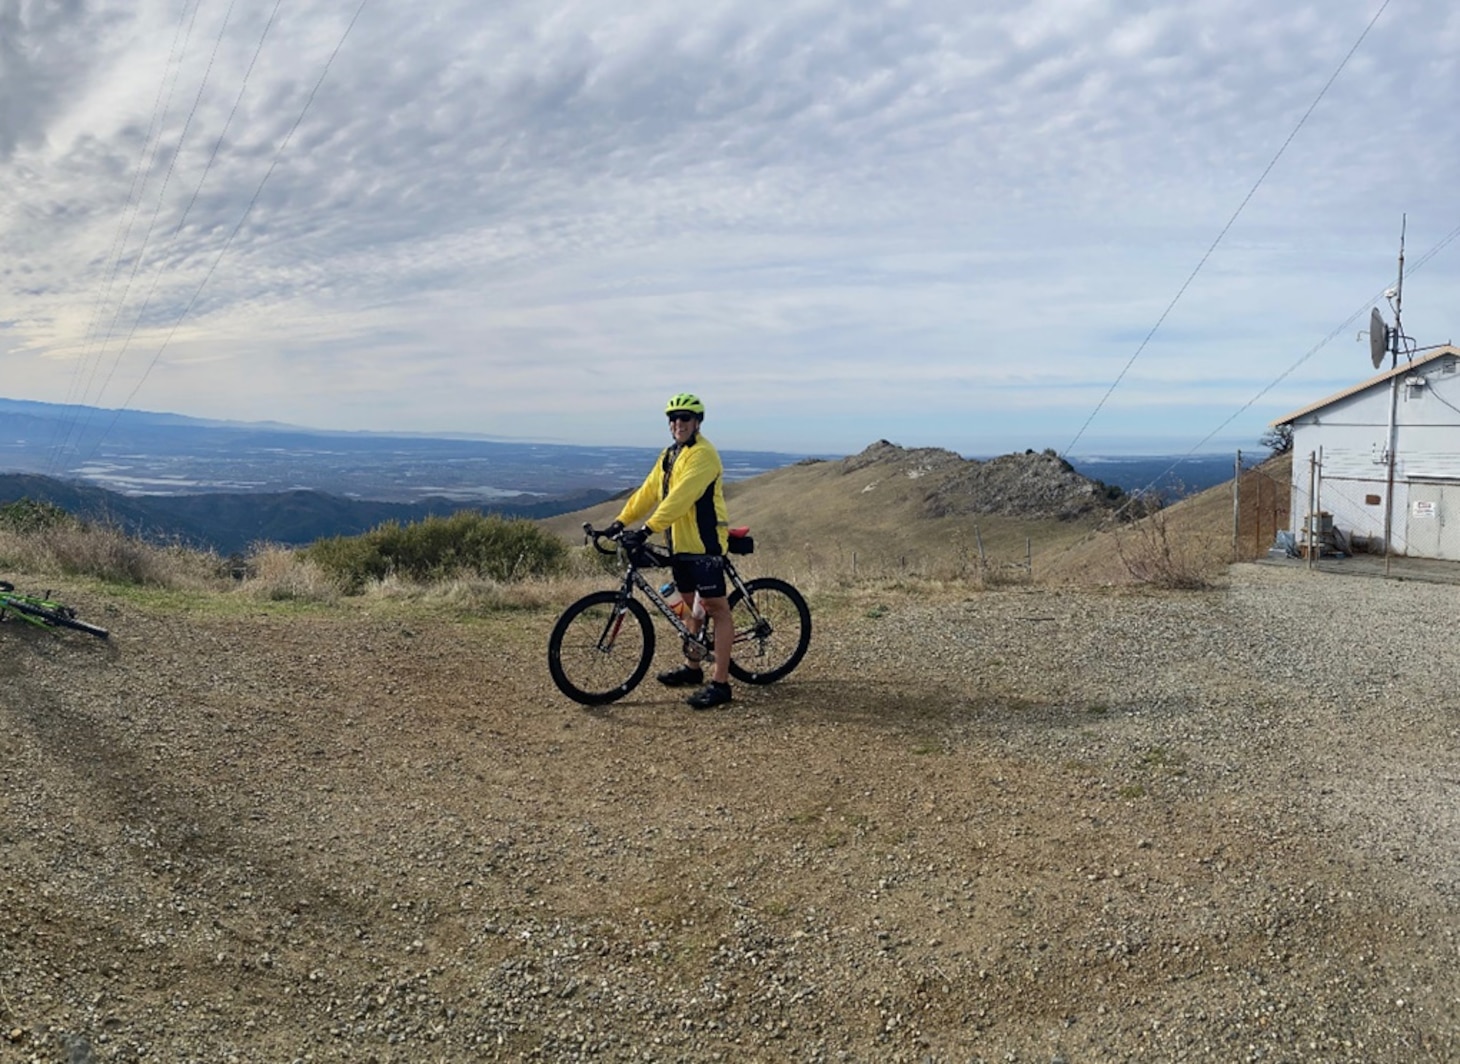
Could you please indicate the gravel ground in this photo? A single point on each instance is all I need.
(1015, 825)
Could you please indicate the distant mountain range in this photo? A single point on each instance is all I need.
(139, 453)
(228, 485)
(231, 523)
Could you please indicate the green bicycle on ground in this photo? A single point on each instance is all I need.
(42, 611)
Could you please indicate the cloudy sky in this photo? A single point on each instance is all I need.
(938, 222)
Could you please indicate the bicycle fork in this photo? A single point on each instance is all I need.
(611, 629)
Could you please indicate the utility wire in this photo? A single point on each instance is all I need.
(278, 154)
(1220, 236)
(148, 153)
(1342, 328)
(228, 124)
(156, 212)
(242, 88)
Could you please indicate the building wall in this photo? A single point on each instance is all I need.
(1350, 435)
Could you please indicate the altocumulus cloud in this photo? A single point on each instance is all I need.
(838, 221)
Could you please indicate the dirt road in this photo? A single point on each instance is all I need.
(1007, 826)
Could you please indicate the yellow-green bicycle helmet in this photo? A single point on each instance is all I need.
(686, 401)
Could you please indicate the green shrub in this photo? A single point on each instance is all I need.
(28, 515)
(439, 548)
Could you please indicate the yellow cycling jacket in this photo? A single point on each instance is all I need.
(684, 497)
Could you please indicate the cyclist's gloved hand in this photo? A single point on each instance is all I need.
(614, 529)
(634, 538)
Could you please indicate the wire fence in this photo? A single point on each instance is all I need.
(1260, 511)
(1358, 504)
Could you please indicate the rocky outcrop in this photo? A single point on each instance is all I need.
(1035, 484)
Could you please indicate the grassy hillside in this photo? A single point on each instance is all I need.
(891, 512)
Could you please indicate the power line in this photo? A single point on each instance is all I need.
(228, 241)
(160, 106)
(1338, 331)
(156, 212)
(1230, 222)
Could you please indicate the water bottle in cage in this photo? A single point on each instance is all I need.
(675, 601)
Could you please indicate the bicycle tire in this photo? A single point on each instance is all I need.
(83, 626)
(767, 651)
(62, 616)
(582, 667)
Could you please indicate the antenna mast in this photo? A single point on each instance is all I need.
(1391, 444)
(1399, 294)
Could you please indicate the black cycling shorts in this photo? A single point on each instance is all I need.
(704, 573)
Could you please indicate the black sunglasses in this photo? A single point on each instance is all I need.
(682, 415)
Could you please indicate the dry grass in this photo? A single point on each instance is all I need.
(278, 574)
(281, 575)
(269, 573)
(109, 554)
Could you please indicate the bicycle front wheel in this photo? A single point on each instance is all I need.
(772, 630)
(600, 648)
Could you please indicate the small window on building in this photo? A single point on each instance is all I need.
(1414, 388)
(1372, 500)
(1447, 365)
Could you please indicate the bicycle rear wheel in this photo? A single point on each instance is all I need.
(771, 639)
(600, 648)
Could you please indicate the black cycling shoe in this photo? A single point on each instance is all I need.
(709, 696)
(684, 676)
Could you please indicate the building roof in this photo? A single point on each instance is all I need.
(1398, 371)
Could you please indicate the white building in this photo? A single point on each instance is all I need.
(1342, 469)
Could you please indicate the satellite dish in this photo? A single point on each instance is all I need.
(1378, 338)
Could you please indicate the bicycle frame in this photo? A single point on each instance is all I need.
(634, 578)
(20, 606)
(41, 611)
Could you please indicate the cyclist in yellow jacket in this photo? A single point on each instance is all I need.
(684, 497)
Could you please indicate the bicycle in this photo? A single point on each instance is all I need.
(601, 647)
(42, 611)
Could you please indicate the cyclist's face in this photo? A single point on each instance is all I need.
(683, 429)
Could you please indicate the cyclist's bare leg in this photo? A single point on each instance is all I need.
(718, 610)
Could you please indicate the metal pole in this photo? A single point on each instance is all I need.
(1257, 516)
(1394, 393)
(1312, 504)
(1236, 505)
(1390, 445)
(1318, 486)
